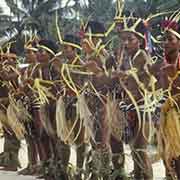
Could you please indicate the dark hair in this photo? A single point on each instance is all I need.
(49, 44)
(72, 39)
(171, 25)
(141, 28)
(96, 27)
(32, 43)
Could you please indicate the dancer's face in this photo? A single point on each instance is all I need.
(130, 42)
(171, 43)
(30, 56)
(43, 56)
(69, 51)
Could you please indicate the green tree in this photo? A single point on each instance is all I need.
(33, 15)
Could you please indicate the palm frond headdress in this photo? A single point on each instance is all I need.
(172, 24)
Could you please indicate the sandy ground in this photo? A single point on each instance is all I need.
(158, 167)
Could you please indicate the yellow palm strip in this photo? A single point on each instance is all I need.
(144, 94)
(97, 93)
(102, 46)
(42, 90)
(68, 80)
(75, 65)
(65, 79)
(71, 81)
(134, 103)
(58, 30)
(14, 69)
(110, 29)
(77, 113)
(70, 68)
(42, 96)
(72, 86)
(157, 14)
(170, 88)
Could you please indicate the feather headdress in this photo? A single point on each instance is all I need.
(172, 24)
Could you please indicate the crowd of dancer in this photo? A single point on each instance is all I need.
(79, 92)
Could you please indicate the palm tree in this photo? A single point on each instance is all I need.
(5, 22)
(146, 7)
(101, 10)
(33, 15)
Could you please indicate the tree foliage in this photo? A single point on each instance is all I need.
(38, 16)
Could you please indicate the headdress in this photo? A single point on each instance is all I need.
(9, 51)
(94, 29)
(71, 40)
(68, 39)
(172, 24)
(31, 44)
(48, 45)
(129, 22)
